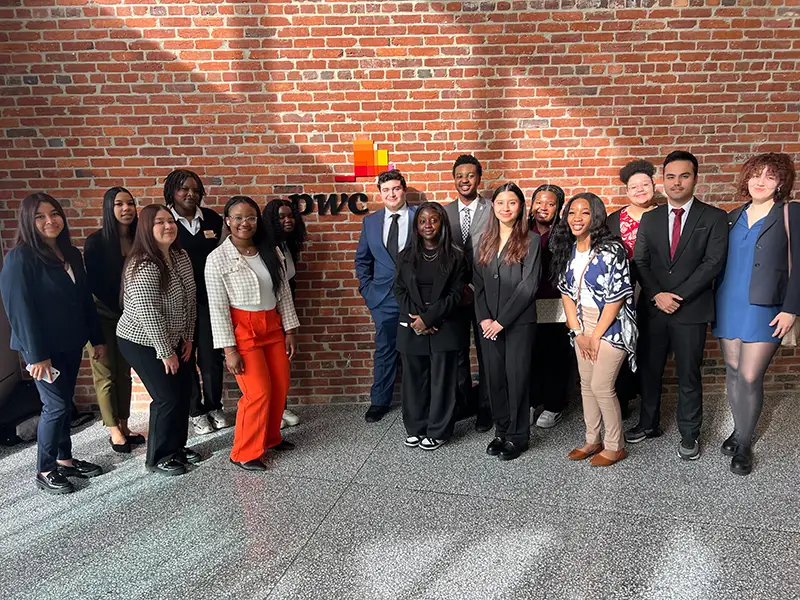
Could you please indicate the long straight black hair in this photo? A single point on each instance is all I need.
(28, 235)
(263, 238)
(110, 223)
(449, 252)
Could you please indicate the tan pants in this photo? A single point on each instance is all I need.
(597, 388)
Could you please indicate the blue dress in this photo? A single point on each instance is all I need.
(736, 318)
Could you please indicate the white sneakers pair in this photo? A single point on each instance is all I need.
(426, 443)
(215, 419)
(289, 419)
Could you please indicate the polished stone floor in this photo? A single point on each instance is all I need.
(353, 514)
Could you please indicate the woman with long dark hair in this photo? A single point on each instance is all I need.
(553, 359)
(284, 220)
(429, 280)
(590, 267)
(254, 322)
(758, 294)
(52, 316)
(506, 277)
(105, 251)
(155, 334)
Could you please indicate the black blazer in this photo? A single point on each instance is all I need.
(442, 312)
(505, 293)
(199, 246)
(770, 281)
(699, 259)
(613, 224)
(104, 271)
(48, 313)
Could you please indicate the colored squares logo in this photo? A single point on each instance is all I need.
(368, 161)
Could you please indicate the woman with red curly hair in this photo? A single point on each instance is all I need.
(764, 241)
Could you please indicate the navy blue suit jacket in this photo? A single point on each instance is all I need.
(374, 266)
(49, 314)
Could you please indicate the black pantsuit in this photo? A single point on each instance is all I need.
(464, 392)
(211, 362)
(169, 407)
(554, 366)
(429, 393)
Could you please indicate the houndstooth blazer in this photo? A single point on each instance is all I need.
(229, 280)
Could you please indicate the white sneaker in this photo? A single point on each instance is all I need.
(412, 441)
(290, 418)
(218, 419)
(548, 419)
(284, 424)
(201, 424)
(430, 443)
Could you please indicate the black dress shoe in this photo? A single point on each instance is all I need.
(168, 466)
(135, 439)
(494, 447)
(188, 456)
(121, 448)
(54, 483)
(375, 413)
(742, 461)
(510, 451)
(80, 468)
(283, 446)
(483, 422)
(639, 434)
(729, 445)
(251, 465)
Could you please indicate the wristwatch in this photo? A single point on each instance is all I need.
(573, 333)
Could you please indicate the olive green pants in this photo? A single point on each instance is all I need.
(111, 374)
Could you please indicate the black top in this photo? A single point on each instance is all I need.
(546, 288)
(426, 275)
(104, 271)
(199, 246)
(48, 312)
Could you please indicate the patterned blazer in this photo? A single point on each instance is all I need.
(229, 280)
(150, 317)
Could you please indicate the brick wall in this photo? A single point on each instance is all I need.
(265, 98)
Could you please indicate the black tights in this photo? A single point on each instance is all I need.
(745, 366)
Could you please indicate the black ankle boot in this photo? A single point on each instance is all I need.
(729, 445)
(742, 461)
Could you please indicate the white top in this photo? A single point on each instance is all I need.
(70, 273)
(268, 300)
(194, 225)
(579, 264)
(671, 216)
(402, 223)
(290, 269)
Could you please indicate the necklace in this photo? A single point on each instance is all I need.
(430, 257)
(249, 251)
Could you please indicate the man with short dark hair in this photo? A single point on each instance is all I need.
(383, 235)
(680, 250)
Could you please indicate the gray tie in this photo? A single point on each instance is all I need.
(466, 223)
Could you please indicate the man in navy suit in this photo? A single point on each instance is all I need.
(383, 235)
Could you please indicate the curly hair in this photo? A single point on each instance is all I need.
(295, 240)
(779, 164)
(600, 237)
(634, 167)
(468, 159)
(517, 245)
(450, 252)
(175, 180)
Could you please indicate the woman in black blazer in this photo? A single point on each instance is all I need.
(52, 316)
(506, 277)
(762, 267)
(430, 277)
(105, 251)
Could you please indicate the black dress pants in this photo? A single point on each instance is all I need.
(169, 407)
(659, 334)
(554, 367)
(464, 392)
(507, 362)
(429, 393)
(211, 362)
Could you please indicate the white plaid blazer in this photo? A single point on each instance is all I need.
(229, 280)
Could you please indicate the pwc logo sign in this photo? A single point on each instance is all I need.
(368, 161)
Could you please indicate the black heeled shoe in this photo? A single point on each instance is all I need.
(742, 461)
(121, 448)
(729, 445)
(135, 439)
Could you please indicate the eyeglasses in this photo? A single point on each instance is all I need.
(237, 219)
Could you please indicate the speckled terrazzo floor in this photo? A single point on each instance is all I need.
(353, 514)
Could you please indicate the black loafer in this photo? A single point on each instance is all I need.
(495, 446)
(135, 439)
(188, 456)
(121, 448)
(168, 467)
(483, 422)
(54, 483)
(729, 445)
(80, 468)
(283, 446)
(742, 461)
(251, 465)
(376, 413)
(511, 451)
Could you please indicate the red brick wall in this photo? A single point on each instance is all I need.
(265, 98)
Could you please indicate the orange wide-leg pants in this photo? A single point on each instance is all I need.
(264, 382)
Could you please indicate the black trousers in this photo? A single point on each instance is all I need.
(658, 335)
(211, 362)
(429, 393)
(169, 407)
(507, 362)
(554, 367)
(464, 391)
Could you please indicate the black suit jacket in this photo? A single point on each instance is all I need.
(699, 259)
(770, 281)
(490, 288)
(104, 263)
(442, 312)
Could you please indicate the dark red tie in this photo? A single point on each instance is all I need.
(676, 231)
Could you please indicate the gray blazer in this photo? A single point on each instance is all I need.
(476, 228)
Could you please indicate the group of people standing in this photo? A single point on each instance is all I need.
(560, 289)
(174, 291)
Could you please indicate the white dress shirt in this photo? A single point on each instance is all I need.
(402, 223)
(194, 226)
(671, 217)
